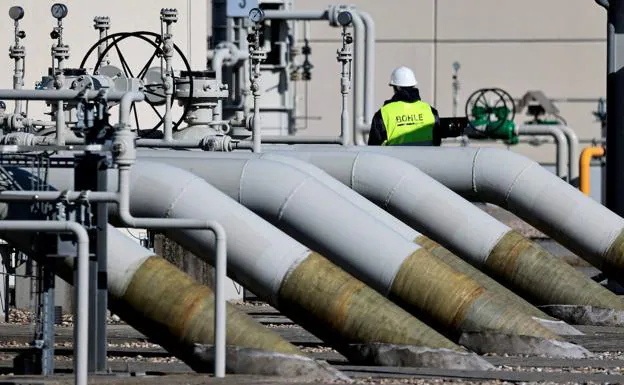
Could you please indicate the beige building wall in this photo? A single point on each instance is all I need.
(557, 46)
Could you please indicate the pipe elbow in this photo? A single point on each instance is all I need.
(369, 167)
(585, 159)
(495, 173)
(268, 186)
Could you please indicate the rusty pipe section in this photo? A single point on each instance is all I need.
(430, 207)
(304, 285)
(587, 155)
(303, 207)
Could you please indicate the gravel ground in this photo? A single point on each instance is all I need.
(25, 317)
(592, 370)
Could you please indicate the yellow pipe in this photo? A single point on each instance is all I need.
(586, 156)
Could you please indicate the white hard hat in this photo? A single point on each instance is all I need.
(403, 77)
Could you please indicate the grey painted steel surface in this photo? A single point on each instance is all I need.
(563, 170)
(464, 228)
(517, 184)
(306, 205)
(82, 292)
(258, 259)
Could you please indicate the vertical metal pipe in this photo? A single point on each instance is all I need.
(560, 142)
(220, 311)
(60, 124)
(573, 154)
(615, 114)
(82, 295)
(369, 71)
(358, 85)
(217, 65)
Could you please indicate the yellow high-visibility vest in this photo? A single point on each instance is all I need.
(408, 123)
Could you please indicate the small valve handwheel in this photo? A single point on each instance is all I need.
(488, 109)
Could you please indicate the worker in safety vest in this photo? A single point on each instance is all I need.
(405, 120)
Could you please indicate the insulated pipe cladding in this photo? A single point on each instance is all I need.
(523, 187)
(428, 206)
(400, 269)
(302, 284)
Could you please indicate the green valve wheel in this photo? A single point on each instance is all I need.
(490, 113)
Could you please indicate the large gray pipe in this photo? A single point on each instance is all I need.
(401, 228)
(523, 187)
(428, 206)
(302, 284)
(361, 244)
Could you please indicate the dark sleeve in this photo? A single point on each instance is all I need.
(377, 134)
(437, 129)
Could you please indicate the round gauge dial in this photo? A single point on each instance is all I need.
(59, 10)
(16, 12)
(345, 18)
(256, 15)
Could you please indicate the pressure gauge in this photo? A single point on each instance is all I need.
(456, 66)
(59, 11)
(16, 12)
(345, 18)
(256, 15)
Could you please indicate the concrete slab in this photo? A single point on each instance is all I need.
(241, 360)
(585, 315)
(415, 356)
(490, 342)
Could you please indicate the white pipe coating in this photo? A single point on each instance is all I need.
(414, 197)
(560, 141)
(81, 348)
(518, 184)
(259, 255)
(383, 216)
(304, 207)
